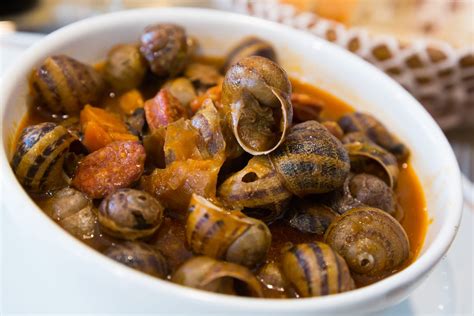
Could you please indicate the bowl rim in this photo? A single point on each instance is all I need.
(422, 265)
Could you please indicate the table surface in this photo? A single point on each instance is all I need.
(448, 290)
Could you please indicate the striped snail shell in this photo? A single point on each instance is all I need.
(64, 85)
(376, 131)
(211, 275)
(371, 241)
(229, 236)
(256, 186)
(370, 158)
(311, 160)
(256, 101)
(250, 46)
(39, 156)
(310, 217)
(314, 269)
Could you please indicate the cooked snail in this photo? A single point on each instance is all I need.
(314, 269)
(256, 100)
(39, 156)
(230, 236)
(372, 191)
(165, 48)
(130, 214)
(372, 242)
(272, 277)
(208, 274)
(310, 217)
(202, 75)
(125, 67)
(376, 131)
(139, 256)
(250, 46)
(64, 85)
(370, 158)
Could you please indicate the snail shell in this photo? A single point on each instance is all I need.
(250, 46)
(311, 160)
(230, 236)
(376, 131)
(310, 217)
(372, 159)
(208, 274)
(39, 156)
(371, 241)
(141, 257)
(256, 100)
(314, 269)
(125, 67)
(65, 85)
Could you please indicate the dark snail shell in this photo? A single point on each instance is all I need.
(372, 191)
(208, 122)
(372, 159)
(125, 67)
(376, 131)
(130, 214)
(230, 236)
(64, 85)
(39, 156)
(371, 241)
(256, 186)
(310, 217)
(341, 199)
(250, 46)
(314, 269)
(141, 257)
(165, 48)
(208, 274)
(256, 100)
(311, 160)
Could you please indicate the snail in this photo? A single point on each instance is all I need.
(64, 85)
(230, 236)
(256, 101)
(130, 214)
(362, 189)
(125, 67)
(311, 217)
(370, 158)
(314, 269)
(203, 76)
(165, 47)
(376, 131)
(139, 256)
(39, 156)
(371, 241)
(250, 46)
(311, 160)
(211, 275)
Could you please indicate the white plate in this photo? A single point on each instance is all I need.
(447, 291)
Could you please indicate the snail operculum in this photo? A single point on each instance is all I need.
(255, 97)
(232, 236)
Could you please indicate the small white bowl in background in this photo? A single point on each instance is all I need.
(62, 274)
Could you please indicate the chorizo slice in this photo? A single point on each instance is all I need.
(114, 166)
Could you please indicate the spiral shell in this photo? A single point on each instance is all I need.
(208, 274)
(39, 156)
(64, 85)
(372, 242)
(256, 100)
(125, 67)
(311, 160)
(314, 269)
(250, 46)
(230, 236)
(310, 217)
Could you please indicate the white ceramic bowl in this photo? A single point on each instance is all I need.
(48, 270)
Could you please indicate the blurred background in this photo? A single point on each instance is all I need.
(435, 37)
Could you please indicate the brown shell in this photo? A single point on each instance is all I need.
(311, 160)
(39, 156)
(376, 131)
(64, 85)
(208, 274)
(371, 241)
(230, 236)
(250, 46)
(372, 159)
(256, 100)
(125, 67)
(314, 269)
(311, 217)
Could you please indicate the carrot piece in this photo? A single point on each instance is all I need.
(95, 137)
(130, 101)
